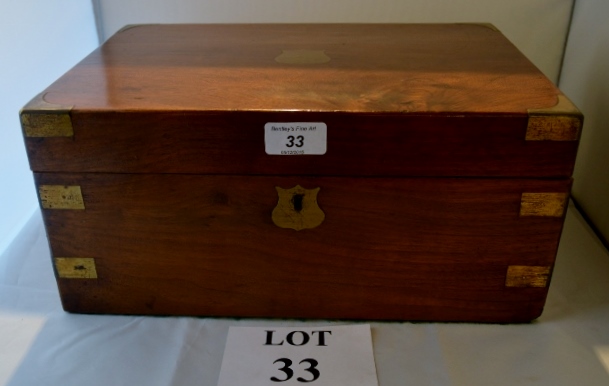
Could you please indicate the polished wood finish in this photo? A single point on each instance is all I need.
(436, 134)
(364, 145)
(399, 100)
(403, 68)
(418, 249)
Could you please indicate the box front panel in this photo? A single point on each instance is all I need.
(272, 246)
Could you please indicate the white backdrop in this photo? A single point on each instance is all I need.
(39, 41)
(585, 78)
(538, 28)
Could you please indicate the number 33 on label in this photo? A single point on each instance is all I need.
(288, 356)
(289, 373)
(297, 339)
(299, 141)
(295, 138)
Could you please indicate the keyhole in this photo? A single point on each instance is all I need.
(297, 201)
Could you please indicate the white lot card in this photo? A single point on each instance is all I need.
(295, 138)
(289, 356)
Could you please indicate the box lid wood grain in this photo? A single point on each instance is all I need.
(399, 100)
(437, 191)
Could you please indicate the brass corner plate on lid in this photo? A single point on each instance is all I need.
(562, 122)
(40, 118)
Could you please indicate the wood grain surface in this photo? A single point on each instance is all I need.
(358, 145)
(398, 100)
(412, 249)
(166, 143)
(412, 68)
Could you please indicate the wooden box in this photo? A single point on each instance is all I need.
(404, 172)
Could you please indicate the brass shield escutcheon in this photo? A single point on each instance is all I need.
(297, 208)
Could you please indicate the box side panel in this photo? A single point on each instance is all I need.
(408, 249)
(357, 145)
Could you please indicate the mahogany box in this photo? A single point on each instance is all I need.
(398, 172)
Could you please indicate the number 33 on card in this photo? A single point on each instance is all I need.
(295, 138)
(321, 356)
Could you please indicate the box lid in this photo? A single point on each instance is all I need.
(396, 100)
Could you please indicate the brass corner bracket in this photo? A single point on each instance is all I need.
(527, 276)
(75, 268)
(543, 204)
(61, 197)
(561, 122)
(42, 119)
